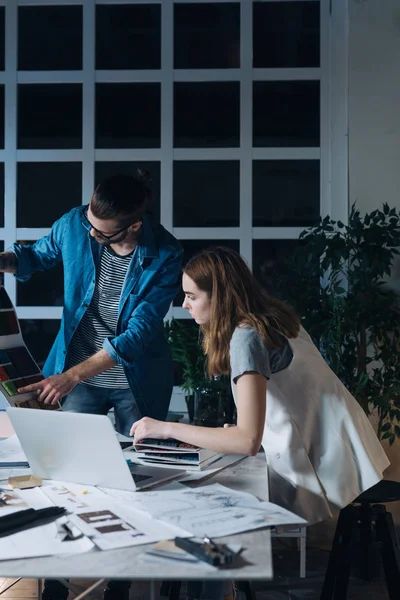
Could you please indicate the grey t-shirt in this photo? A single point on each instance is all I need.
(249, 353)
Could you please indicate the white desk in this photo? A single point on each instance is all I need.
(256, 562)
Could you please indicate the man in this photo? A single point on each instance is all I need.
(121, 272)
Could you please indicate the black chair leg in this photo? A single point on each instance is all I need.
(171, 589)
(164, 588)
(246, 589)
(338, 572)
(366, 569)
(386, 534)
(174, 590)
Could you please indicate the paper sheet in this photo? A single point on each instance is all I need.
(40, 541)
(6, 473)
(11, 502)
(230, 520)
(177, 498)
(213, 510)
(107, 521)
(139, 500)
(117, 527)
(43, 540)
(11, 451)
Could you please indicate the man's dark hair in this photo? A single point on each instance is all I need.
(125, 196)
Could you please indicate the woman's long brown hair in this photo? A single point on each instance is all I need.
(236, 299)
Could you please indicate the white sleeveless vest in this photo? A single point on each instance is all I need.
(321, 449)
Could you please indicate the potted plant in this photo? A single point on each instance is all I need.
(336, 281)
(209, 401)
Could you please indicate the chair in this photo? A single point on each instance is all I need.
(364, 529)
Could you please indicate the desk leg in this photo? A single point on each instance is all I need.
(303, 552)
(152, 590)
(90, 589)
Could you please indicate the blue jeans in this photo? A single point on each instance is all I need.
(98, 401)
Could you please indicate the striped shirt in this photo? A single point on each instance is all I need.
(100, 319)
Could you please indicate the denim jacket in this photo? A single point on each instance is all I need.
(151, 283)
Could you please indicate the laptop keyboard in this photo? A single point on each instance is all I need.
(137, 476)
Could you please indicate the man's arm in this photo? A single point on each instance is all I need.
(8, 262)
(144, 322)
(43, 254)
(147, 318)
(52, 389)
(94, 365)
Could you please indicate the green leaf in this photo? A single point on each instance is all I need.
(386, 427)
(335, 282)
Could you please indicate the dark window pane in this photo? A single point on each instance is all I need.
(49, 38)
(192, 247)
(285, 193)
(207, 36)
(286, 34)
(103, 170)
(45, 191)
(206, 193)
(39, 335)
(50, 116)
(8, 323)
(128, 36)
(1, 274)
(286, 113)
(2, 37)
(5, 301)
(128, 115)
(1, 116)
(207, 115)
(287, 269)
(44, 288)
(268, 259)
(1, 194)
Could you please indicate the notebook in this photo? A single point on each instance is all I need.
(174, 452)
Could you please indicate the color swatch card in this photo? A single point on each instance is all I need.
(17, 366)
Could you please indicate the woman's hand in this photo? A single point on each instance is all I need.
(149, 428)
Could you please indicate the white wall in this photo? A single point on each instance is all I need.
(374, 103)
(374, 125)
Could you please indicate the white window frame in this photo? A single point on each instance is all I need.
(333, 151)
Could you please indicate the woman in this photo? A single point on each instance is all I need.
(321, 449)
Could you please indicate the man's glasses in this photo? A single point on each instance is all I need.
(87, 225)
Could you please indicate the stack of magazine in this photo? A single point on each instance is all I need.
(174, 453)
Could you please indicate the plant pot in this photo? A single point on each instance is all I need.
(189, 399)
(213, 406)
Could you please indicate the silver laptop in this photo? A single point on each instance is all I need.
(81, 448)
